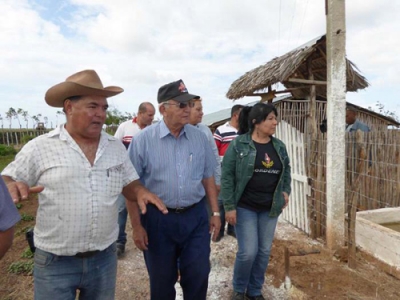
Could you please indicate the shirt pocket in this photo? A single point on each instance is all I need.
(196, 166)
(242, 158)
(114, 180)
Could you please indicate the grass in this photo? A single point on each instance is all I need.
(5, 160)
(27, 253)
(21, 267)
(23, 230)
(26, 217)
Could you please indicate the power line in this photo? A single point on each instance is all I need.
(279, 27)
(302, 22)
(291, 22)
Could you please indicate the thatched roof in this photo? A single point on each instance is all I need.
(294, 65)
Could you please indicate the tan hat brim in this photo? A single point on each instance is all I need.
(56, 95)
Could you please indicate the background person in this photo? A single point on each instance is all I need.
(125, 133)
(9, 216)
(175, 161)
(352, 123)
(255, 196)
(82, 170)
(223, 136)
(195, 118)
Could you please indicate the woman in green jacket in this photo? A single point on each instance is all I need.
(255, 188)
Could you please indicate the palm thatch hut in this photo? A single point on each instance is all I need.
(294, 70)
(303, 73)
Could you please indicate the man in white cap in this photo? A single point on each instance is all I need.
(81, 171)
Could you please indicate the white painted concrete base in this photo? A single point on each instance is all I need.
(381, 242)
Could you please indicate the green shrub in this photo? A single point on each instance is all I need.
(18, 205)
(5, 160)
(26, 138)
(25, 217)
(21, 267)
(23, 230)
(27, 253)
(7, 150)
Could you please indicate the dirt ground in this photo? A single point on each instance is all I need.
(313, 276)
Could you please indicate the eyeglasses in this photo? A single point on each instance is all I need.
(182, 104)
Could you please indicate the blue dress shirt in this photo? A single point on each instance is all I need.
(173, 168)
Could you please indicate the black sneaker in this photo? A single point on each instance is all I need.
(259, 297)
(120, 250)
(238, 296)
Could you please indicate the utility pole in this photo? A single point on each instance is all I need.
(336, 92)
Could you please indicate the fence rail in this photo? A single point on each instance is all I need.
(378, 185)
(14, 137)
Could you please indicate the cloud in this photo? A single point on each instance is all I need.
(141, 45)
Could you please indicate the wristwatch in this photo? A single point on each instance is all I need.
(216, 214)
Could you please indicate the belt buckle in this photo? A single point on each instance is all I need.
(179, 210)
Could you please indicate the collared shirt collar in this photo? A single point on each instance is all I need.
(164, 130)
(64, 134)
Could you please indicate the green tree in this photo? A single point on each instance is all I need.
(10, 114)
(35, 119)
(380, 108)
(17, 114)
(114, 117)
(59, 113)
(25, 115)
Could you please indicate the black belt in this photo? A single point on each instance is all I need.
(180, 210)
(86, 254)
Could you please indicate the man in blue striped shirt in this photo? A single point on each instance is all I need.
(174, 161)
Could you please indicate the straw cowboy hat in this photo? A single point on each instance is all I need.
(84, 83)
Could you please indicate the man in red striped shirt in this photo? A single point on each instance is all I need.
(223, 136)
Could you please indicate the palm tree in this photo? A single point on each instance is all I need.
(1, 119)
(10, 114)
(35, 120)
(59, 112)
(16, 115)
(25, 115)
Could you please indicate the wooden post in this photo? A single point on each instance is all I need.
(315, 212)
(355, 188)
(336, 92)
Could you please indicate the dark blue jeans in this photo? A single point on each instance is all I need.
(58, 277)
(172, 237)
(122, 217)
(254, 232)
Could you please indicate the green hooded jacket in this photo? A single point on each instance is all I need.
(238, 168)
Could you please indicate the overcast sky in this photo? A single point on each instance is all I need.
(143, 44)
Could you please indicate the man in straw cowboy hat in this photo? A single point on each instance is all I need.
(80, 171)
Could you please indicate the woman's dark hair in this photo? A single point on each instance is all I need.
(244, 120)
(250, 116)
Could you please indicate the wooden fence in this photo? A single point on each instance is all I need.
(296, 213)
(379, 182)
(15, 137)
